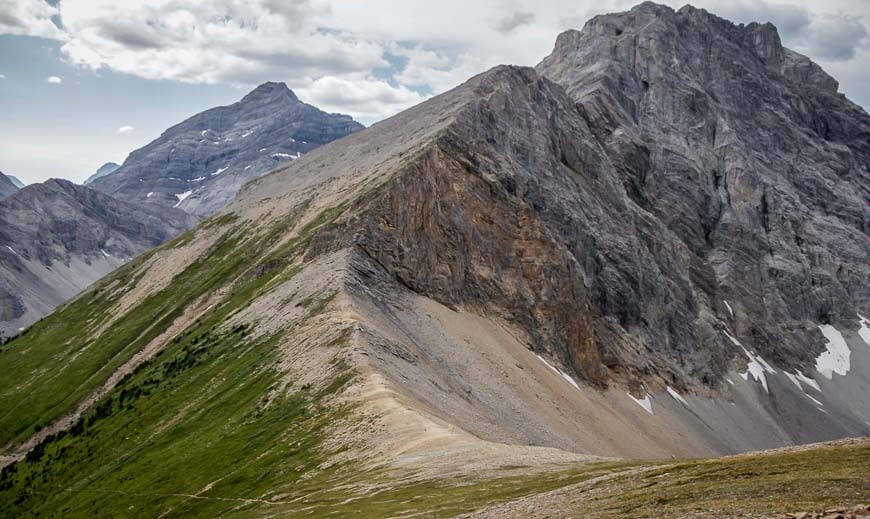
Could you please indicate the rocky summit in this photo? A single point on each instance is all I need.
(745, 182)
(102, 171)
(200, 164)
(519, 298)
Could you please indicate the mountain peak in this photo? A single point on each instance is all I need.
(106, 169)
(270, 90)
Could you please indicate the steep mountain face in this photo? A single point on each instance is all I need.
(472, 289)
(57, 238)
(200, 164)
(753, 164)
(7, 187)
(105, 169)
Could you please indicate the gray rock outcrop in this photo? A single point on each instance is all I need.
(56, 238)
(754, 166)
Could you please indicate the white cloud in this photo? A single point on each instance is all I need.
(223, 41)
(832, 36)
(372, 58)
(125, 129)
(2, 76)
(433, 69)
(29, 18)
(364, 98)
(514, 20)
(55, 80)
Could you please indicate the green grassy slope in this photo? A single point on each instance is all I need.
(767, 484)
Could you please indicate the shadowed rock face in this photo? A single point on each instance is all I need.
(200, 164)
(56, 238)
(752, 163)
(7, 187)
(502, 214)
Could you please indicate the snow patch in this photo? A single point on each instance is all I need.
(182, 197)
(864, 332)
(197, 179)
(559, 372)
(569, 380)
(247, 167)
(730, 381)
(756, 367)
(644, 402)
(814, 400)
(149, 194)
(807, 380)
(836, 358)
(105, 254)
(730, 311)
(11, 250)
(794, 380)
(735, 341)
(262, 150)
(678, 397)
(219, 171)
(202, 133)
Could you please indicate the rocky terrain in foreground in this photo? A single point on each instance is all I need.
(489, 297)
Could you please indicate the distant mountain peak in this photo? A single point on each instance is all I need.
(199, 164)
(106, 169)
(270, 90)
(7, 186)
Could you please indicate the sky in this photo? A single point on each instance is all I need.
(84, 82)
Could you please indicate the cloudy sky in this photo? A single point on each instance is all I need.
(83, 82)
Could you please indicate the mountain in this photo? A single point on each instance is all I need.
(57, 238)
(754, 171)
(19, 184)
(105, 169)
(478, 299)
(7, 186)
(200, 164)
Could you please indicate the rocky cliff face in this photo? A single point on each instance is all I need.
(7, 187)
(754, 166)
(57, 238)
(200, 164)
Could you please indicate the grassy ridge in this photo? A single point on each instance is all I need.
(814, 479)
(54, 365)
